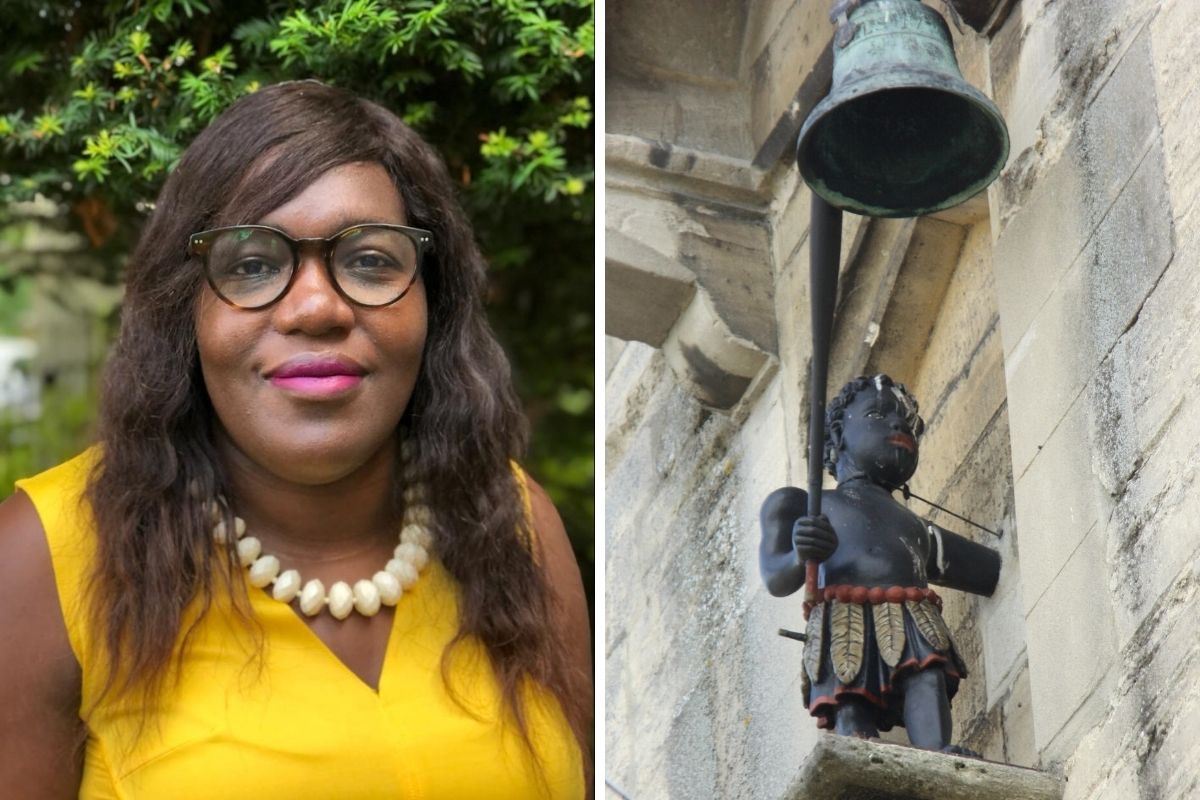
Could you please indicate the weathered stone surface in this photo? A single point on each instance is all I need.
(661, 248)
(844, 768)
(1055, 512)
(1053, 60)
(864, 291)
(1098, 298)
(1071, 647)
(645, 292)
(1043, 241)
(1018, 723)
(1143, 744)
(906, 324)
(682, 500)
(708, 357)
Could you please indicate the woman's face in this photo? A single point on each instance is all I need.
(311, 388)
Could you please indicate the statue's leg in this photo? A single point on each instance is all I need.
(855, 717)
(927, 709)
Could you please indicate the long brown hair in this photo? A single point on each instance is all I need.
(156, 553)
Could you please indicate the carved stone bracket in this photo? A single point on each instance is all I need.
(845, 768)
(688, 263)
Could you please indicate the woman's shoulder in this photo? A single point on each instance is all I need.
(48, 519)
(64, 482)
(40, 678)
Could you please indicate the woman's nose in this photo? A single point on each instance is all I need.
(312, 304)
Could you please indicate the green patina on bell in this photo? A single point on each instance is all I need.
(901, 133)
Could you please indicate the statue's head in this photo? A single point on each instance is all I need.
(872, 427)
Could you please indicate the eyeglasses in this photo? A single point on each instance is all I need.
(253, 266)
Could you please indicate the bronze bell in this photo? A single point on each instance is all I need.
(901, 133)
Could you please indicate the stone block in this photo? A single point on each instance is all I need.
(705, 38)
(1019, 748)
(730, 258)
(1036, 247)
(844, 768)
(1144, 742)
(1024, 61)
(708, 358)
(1151, 534)
(1175, 40)
(1183, 160)
(785, 47)
(761, 457)
(644, 291)
(1072, 646)
(1002, 621)
(1141, 384)
(789, 222)
(1099, 297)
(1057, 505)
(628, 388)
(973, 400)
(656, 241)
(917, 303)
(1044, 237)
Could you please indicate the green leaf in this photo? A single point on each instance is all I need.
(139, 42)
(94, 168)
(220, 60)
(47, 126)
(255, 34)
(24, 62)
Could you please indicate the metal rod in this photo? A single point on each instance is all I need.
(825, 252)
(797, 635)
(909, 493)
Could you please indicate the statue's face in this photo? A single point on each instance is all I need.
(877, 438)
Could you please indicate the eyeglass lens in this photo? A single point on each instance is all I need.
(372, 265)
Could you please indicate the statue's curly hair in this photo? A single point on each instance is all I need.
(156, 552)
(836, 410)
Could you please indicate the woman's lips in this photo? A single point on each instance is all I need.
(318, 386)
(317, 376)
(903, 440)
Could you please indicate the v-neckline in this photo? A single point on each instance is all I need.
(271, 609)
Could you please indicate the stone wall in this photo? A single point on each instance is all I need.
(1046, 329)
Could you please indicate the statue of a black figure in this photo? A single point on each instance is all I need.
(878, 653)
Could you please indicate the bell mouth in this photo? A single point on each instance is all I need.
(902, 151)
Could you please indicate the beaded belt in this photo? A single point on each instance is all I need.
(875, 595)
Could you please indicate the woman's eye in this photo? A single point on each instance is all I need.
(371, 267)
(873, 415)
(253, 268)
(369, 261)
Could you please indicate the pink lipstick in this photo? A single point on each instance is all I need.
(317, 376)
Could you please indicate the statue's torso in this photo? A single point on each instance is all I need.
(880, 542)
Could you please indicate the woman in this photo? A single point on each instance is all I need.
(301, 561)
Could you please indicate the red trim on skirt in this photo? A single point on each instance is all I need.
(824, 707)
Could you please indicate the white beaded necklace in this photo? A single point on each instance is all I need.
(366, 596)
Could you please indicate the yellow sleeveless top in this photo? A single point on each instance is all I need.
(298, 723)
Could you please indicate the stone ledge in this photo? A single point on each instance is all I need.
(845, 768)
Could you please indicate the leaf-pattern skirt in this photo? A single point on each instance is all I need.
(867, 650)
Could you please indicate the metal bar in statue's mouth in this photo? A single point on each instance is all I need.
(825, 252)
